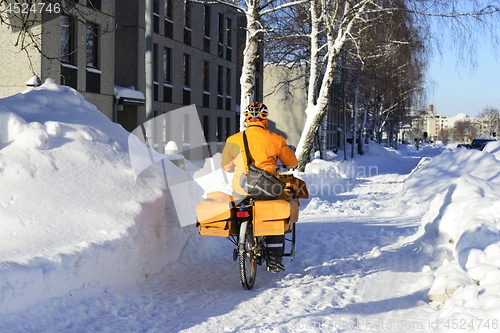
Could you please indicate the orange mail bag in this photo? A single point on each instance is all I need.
(215, 216)
(274, 217)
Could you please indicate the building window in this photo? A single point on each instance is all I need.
(186, 70)
(206, 99)
(186, 90)
(167, 65)
(221, 29)
(228, 89)
(95, 4)
(229, 39)
(220, 40)
(156, 16)
(206, 75)
(168, 18)
(220, 86)
(220, 80)
(93, 76)
(167, 9)
(155, 71)
(206, 38)
(227, 129)
(167, 75)
(91, 44)
(220, 130)
(206, 128)
(68, 33)
(229, 27)
(228, 81)
(207, 20)
(187, 14)
(155, 62)
(187, 22)
(206, 84)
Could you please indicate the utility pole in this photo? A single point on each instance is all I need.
(149, 25)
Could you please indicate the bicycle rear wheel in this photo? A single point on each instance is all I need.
(246, 253)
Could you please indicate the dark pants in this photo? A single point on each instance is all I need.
(274, 246)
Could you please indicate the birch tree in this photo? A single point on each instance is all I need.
(254, 11)
(491, 116)
(344, 21)
(338, 19)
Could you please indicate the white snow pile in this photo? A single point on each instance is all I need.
(461, 228)
(493, 148)
(424, 150)
(435, 175)
(71, 212)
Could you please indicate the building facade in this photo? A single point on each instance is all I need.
(98, 47)
(76, 49)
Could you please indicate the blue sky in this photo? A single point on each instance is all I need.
(455, 87)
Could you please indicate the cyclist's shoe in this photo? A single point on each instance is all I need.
(275, 267)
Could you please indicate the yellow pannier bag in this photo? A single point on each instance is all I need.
(215, 216)
(295, 187)
(274, 217)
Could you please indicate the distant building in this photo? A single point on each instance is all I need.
(428, 126)
(287, 103)
(455, 118)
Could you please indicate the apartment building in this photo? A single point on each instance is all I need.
(98, 48)
(77, 50)
(195, 52)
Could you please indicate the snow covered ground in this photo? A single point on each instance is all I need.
(391, 241)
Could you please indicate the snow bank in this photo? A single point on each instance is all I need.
(493, 147)
(434, 175)
(84, 221)
(461, 229)
(424, 150)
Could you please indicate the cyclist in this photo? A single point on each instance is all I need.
(265, 148)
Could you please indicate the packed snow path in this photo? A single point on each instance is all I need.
(355, 270)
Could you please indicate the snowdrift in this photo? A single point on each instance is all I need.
(84, 221)
(435, 175)
(461, 229)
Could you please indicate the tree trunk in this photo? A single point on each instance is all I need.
(322, 137)
(355, 115)
(250, 56)
(362, 138)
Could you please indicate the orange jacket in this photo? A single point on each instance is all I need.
(265, 148)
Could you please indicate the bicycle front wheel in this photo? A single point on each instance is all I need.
(247, 258)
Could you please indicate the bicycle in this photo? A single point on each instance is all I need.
(246, 223)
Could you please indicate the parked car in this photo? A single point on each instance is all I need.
(479, 143)
(463, 145)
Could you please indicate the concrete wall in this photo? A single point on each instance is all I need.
(286, 101)
(16, 66)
